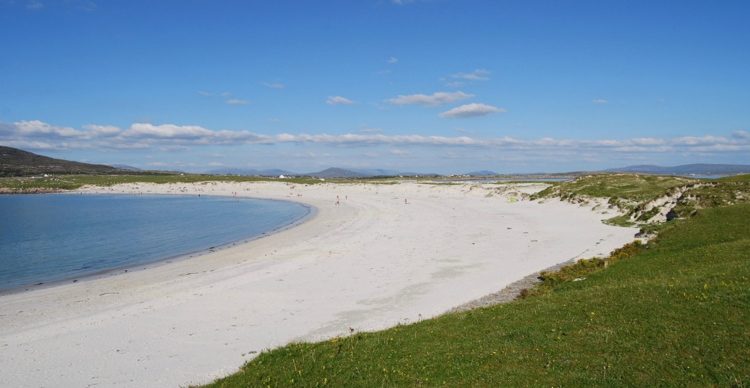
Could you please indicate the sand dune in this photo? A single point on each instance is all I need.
(367, 263)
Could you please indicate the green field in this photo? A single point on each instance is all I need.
(675, 312)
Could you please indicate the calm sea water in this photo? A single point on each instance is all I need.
(45, 238)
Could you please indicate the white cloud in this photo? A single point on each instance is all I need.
(226, 94)
(139, 135)
(392, 60)
(237, 102)
(600, 101)
(703, 140)
(476, 75)
(471, 110)
(103, 130)
(38, 128)
(273, 86)
(371, 130)
(129, 145)
(204, 93)
(193, 134)
(400, 152)
(338, 100)
(174, 148)
(167, 131)
(647, 141)
(434, 99)
(35, 134)
(356, 139)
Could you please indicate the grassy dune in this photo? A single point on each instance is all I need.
(675, 312)
(624, 190)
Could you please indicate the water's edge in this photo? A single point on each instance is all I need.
(312, 211)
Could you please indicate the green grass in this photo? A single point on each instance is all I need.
(735, 178)
(673, 313)
(712, 194)
(632, 193)
(624, 190)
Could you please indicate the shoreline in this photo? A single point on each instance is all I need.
(385, 255)
(104, 273)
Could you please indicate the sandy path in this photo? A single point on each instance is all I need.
(369, 263)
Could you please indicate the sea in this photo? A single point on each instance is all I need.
(63, 237)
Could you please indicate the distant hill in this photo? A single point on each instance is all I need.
(377, 172)
(249, 172)
(15, 162)
(337, 173)
(481, 173)
(686, 169)
(125, 167)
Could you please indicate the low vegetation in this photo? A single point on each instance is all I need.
(645, 199)
(624, 191)
(722, 192)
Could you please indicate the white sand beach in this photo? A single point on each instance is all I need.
(370, 262)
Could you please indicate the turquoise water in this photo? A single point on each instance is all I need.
(47, 238)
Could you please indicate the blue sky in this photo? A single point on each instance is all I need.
(446, 86)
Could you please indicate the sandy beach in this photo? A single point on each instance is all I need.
(374, 256)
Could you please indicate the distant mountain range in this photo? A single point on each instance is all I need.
(337, 173)
(249, 172)
(482, 173)
(125, 167)
(687, 169)
(15, 162)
